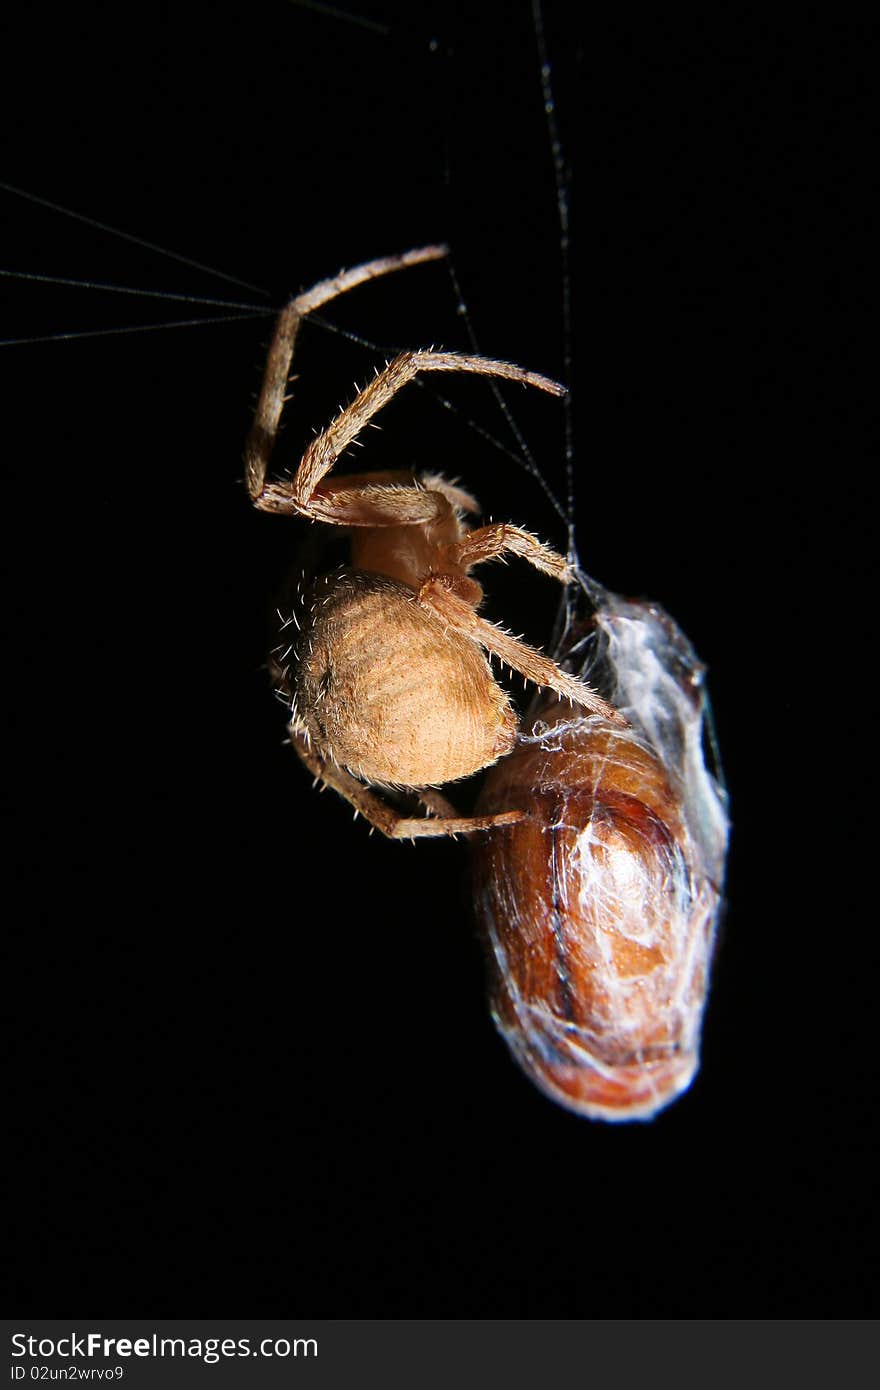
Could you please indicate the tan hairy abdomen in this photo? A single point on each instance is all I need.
(392, 696)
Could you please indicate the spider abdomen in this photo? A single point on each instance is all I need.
(381, 688)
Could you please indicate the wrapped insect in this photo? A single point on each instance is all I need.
(599, 909)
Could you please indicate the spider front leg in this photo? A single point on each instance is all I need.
(356, 503)
(276, 376)
(490, 542)
(382, 816)
(438, 596)
(447, 596)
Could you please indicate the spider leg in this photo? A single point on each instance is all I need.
(382, 816)
(488, 542)
(438, 596)
(304, 493)
(455, 496)
(267, 418)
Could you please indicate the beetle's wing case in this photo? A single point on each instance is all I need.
(599, 911)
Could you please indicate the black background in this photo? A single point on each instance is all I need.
(254, 1071)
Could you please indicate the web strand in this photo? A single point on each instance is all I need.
(127, 236)
(561, 176)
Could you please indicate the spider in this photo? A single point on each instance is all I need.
(388, 683)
